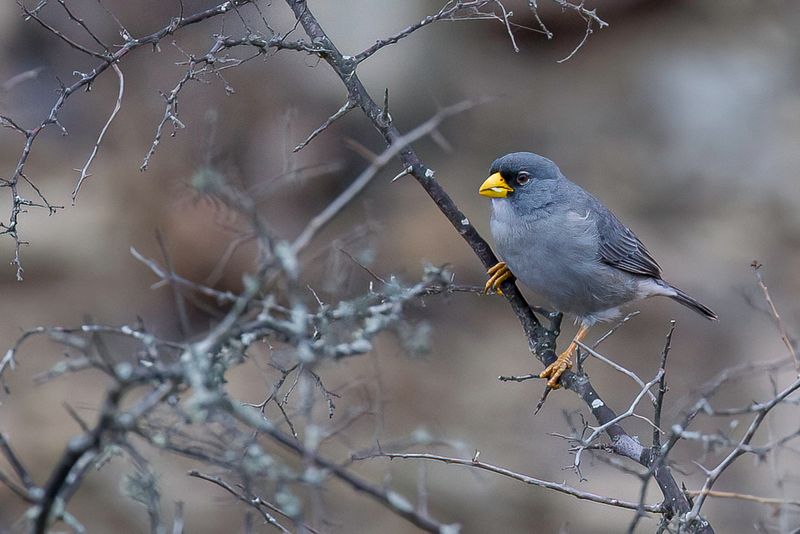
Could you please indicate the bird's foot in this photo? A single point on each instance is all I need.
(497, 275)
(554, 371)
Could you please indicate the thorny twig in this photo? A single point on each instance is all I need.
(589, 16)
(108, 60)
(263, 507)
(451, 11)
(741, 448)
(558, 487)
(84, 171)
(342, 111)
(790, 343)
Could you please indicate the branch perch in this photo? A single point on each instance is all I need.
(541, 340)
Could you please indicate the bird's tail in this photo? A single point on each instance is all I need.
(691, 303)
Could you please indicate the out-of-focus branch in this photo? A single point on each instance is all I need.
(170, 367)
(389, 499)
(28, 491)
(170, 277)
(77, 449)
(344, 198)
(251, 500)
(741, 448)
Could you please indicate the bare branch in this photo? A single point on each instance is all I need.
(15, 462)
(662, 386)
(18, 202)
(34, 14)
(170, 277)
(253, 501)
(80, 22)
(740, 449)
(397, 146)
(534, 6)
(589, 16)
(627, 413)
(347, 106)
(771, 501)
(559, 487)
(789, 342)
(452, 10)
(390, 499)
(84, 171)
(633, 376)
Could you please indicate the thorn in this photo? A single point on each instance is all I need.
(404, 172)
(385, 118)
(547, 391)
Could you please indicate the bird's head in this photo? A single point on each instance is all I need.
(524, 178)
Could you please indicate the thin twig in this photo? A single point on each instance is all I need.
(772, 501)
(714, 474)
(559, 487)
(589, 16)
(627, 372)
(251, 500)
(662, 386)
(776, 316)
(342, 111)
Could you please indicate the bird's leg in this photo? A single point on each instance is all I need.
(564, 361)
(498, 274)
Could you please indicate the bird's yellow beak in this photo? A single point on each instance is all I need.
(495, 186)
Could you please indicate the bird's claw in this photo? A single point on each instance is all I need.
(498, 274)
(554, 371)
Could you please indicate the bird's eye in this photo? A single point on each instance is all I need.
(523, 178)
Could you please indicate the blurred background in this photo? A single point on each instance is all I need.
(683, 117)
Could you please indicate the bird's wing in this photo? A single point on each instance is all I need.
(620, 248)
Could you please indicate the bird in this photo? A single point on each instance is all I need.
(564, 244)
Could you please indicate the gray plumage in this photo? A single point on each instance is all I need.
(564, 244)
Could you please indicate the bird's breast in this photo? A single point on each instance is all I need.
(556, 255)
